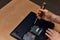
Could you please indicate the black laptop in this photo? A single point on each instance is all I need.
(33, 25)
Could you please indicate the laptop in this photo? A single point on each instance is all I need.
(31, 24)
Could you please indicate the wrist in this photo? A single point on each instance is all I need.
(53, 17)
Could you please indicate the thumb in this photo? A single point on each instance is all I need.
(43, 10)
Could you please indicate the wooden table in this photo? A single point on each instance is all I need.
(12, 14)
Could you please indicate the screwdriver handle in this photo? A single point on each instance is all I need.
(42, 7)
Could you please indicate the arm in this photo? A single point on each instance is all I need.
(55, 18)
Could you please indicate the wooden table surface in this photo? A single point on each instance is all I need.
(13, 13)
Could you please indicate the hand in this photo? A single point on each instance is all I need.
(48, 16)
(44, 14)
(52, 34)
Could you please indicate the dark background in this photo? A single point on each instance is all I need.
(3, 3)
(52, 5)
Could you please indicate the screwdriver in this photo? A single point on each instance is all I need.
(41, 14)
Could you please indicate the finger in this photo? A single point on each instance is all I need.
(48, 35)
(38, 10)
(38, 16)
(49, 32)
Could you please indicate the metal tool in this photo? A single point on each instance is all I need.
(42, 7)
